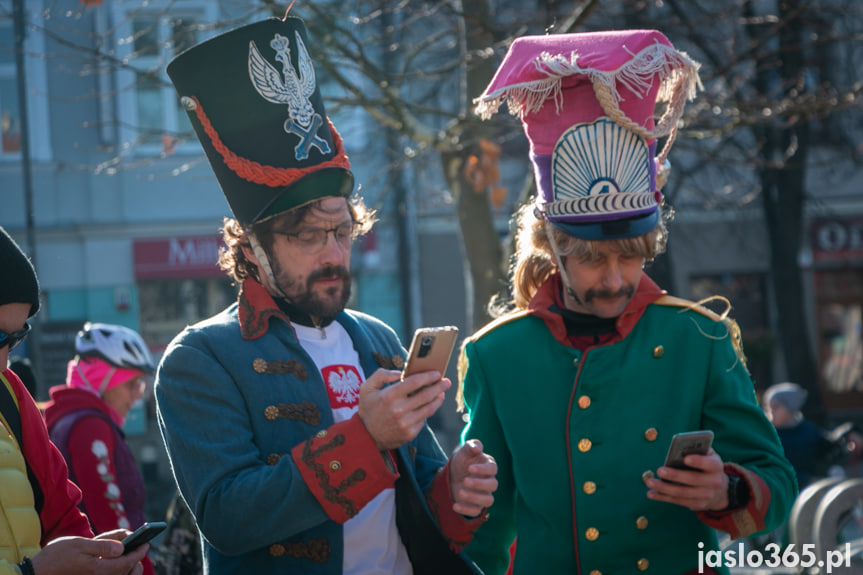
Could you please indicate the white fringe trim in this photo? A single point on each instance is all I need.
(674, 67)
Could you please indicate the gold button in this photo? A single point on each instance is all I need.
(592, 534)
(650, 434)
(259, 365)
(575, 362)
(584, 445)
(589, 487)
(643, 564)
(321, 434)
(335, 465)
(641, 522)
(647, 475)
(273, 458)
(277, 550)
(584, 402)
(658, 351)
(596, 572)
(271, 412)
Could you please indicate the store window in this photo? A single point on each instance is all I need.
(837, 254)
(10, 117)
(747, 294)
(151, 118)
(169, 305)
(34, 67)
(179, 283)
(840, 314)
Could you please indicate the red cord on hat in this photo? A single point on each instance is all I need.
(257, 173)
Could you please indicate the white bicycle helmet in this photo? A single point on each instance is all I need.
(116, 344)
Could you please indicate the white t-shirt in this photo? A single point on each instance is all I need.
(372, 542)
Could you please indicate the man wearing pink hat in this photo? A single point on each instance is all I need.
(577, 390)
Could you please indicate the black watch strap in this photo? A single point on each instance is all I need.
(738, 492)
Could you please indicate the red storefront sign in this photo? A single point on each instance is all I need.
(184, 257)
(837, 239)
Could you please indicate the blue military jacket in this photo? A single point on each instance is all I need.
(269, 477)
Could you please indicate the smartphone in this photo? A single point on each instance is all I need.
(683, 444)
(142, 534)
(430, 350)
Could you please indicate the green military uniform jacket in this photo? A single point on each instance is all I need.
(574, 433)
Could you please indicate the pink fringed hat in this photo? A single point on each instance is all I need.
(587, 102)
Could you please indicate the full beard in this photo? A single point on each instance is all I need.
(324, 306)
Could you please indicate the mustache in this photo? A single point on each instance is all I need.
(591, 294)
(329, 273)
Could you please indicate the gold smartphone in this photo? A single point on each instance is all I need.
(431, 348)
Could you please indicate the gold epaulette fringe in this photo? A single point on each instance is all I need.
(730, 324)
(462, 360)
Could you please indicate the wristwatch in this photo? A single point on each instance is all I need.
(738, 492)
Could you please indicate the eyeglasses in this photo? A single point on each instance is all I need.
(13, 339)
(313, 240)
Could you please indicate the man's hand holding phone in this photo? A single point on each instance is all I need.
(395, 414)
(692, 477)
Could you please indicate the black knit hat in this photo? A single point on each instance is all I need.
(252, 98)
(21, 285)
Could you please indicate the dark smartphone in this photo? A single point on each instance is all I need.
(142, 534)
(683, 444)
(430, 350)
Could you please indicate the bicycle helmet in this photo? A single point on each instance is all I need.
(116, 344)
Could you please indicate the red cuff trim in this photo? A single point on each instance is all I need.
(747, 520)
(457, 529)
(343, 468)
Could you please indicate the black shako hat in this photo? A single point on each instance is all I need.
(252, 97)
(20, 284)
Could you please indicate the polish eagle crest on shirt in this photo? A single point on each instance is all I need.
(291, 89)
(343, 385)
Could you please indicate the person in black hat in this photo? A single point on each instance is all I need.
(293, 441)
(47, 534)
(579, 386)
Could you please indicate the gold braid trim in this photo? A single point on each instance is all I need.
(394, 362)
(307, 412)
(292, 366)
(331, 493)
(316, 550)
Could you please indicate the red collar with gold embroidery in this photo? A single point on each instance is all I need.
(256, 306)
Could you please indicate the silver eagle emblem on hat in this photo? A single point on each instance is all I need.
(294, 91)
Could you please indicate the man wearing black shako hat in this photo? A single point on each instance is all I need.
(292, 450)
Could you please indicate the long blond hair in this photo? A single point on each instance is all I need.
(534, 262)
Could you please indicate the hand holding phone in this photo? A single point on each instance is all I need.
(689, 443)
(430, 350)
(142, 534)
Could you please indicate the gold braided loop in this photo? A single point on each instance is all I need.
(666, 126)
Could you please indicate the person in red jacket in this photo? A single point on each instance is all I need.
(85, 419)
(53, 536)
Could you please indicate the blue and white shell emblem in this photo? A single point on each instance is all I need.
(294, 91)
(600, 169)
